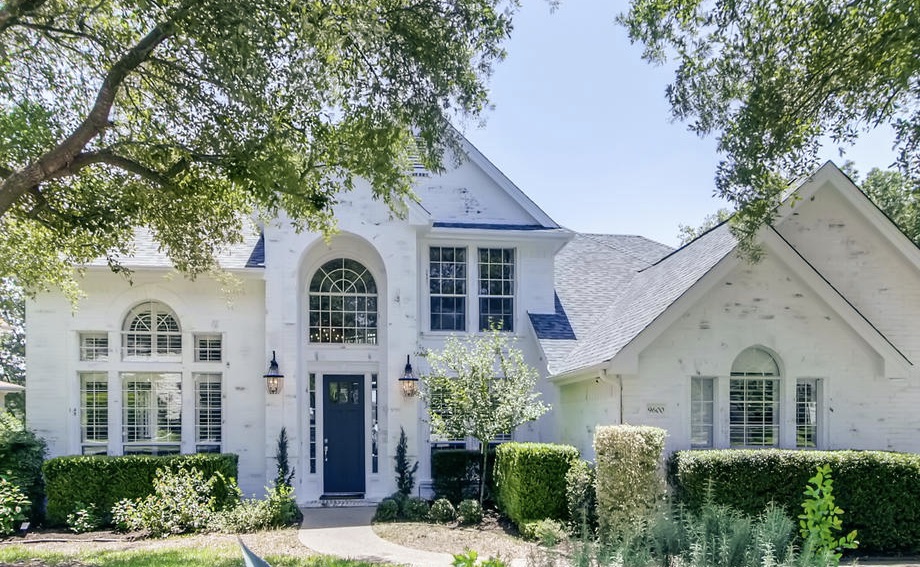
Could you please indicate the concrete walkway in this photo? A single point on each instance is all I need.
(346, 532)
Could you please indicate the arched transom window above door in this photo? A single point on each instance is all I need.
(343, 304)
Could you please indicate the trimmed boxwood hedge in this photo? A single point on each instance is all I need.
(878, 491)
(530, 480)
(455, 474)
(104, 480)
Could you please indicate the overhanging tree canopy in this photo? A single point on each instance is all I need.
(773, 77)
(184, 116)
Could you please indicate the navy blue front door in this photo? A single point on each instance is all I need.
(343, 434)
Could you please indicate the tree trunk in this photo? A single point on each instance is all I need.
(482, 473)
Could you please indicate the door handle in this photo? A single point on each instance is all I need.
(325, 450)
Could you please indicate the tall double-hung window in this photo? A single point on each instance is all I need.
(447, 283)
(754, 395)
(496, 288)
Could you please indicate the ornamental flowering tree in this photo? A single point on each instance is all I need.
(480, 387)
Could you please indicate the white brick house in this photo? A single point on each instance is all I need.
(622, 328)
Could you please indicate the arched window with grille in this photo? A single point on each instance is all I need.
(754, 397)
(151, 330)
(343, 304)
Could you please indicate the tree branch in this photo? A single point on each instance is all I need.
(110, 158)
(60, 157)
(11, 10)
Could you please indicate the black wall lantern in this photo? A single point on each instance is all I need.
(274, 379)
(409, 381)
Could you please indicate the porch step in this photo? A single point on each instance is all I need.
(340, 501)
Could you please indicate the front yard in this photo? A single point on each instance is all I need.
(281, 548)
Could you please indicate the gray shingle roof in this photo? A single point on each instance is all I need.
(590, 273)
(612, 297)
(250, 253)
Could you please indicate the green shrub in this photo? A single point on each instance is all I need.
(820, 519)
(547, 532)
(251, 515)
(877, 490)
(84, 519)
(580, 498)
(628, 483)
(181, 502)
(442, 511)
(105, 480)
(387, 511)
(530, 480)
(455, 474)
(469, 512)
(405, 473)
(14, 505)
(125, 516)
(471, 559)
(415, 510)
(21, 456)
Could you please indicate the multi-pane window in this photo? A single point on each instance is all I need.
(496, 288)
(208, 348)
(312, 392)
(151, 412)
(806, 413)
(94, 346)
(702, 411)
(151, 330)
(343, 304)
(208, 412)
(94, 413)
(375, 427)
(447, 283)
(753, 398)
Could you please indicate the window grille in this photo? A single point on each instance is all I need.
(208, 348)
(209, 413)
(94, 413)
(152, 330)
(152, 413)
(343, 304)
(496, 288)
(94, 346)
(375, 427)
(447, 285)
(806, 413)
(312, 423)
(702, 411)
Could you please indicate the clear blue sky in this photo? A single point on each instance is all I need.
(582, 126)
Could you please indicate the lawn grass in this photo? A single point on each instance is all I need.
(221, 556)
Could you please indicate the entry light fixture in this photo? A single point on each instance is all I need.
(274, 379)
(409, 381)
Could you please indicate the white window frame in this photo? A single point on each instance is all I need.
(163, 335)
(145, 437)
(698, 403)
(749, 405)
(324, 332)
(456, 279)
(209, 412)
(94, 413)
(813, 413)
(209, 347)
(484, 281)
(94, 346)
